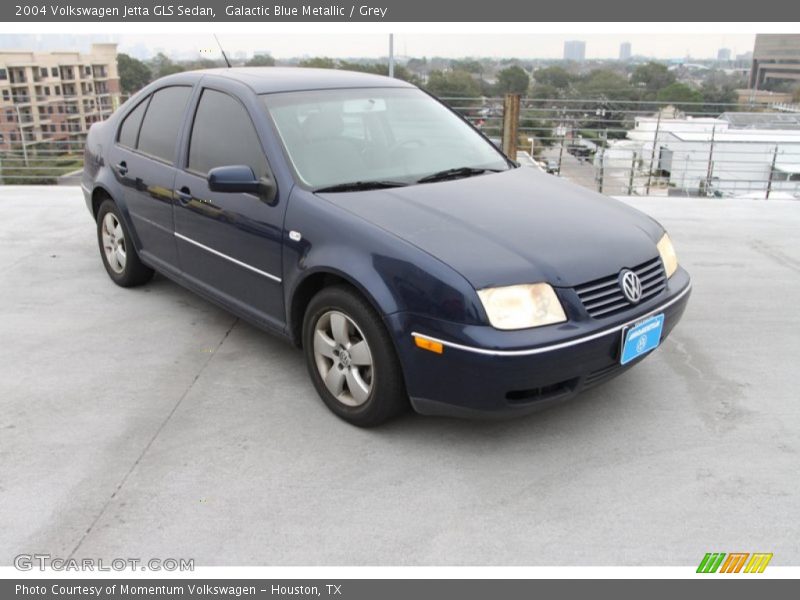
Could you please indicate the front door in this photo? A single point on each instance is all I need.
(229, 244)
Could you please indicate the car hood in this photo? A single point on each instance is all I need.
(518, 226)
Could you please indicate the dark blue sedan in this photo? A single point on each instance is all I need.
(372, 226)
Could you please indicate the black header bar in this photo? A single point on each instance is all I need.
(33, 11)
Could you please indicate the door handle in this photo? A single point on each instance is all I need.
(122, 168)
(184, 195)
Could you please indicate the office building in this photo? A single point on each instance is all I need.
(575, 50)
(776, 59)
(625, 51)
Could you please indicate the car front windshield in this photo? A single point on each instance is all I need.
(390, 135)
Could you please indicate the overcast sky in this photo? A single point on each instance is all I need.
(356, 45)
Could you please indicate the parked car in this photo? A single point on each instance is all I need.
(374, 228)
(551, 166)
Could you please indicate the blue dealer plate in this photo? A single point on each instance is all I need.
(640, 338)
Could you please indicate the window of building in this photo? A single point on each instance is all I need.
(57, 91)
(158, 135)
(43, 72)
(223, 134)
(5, 95)
(47, 90)
(54, 72)
(3, 74)
(88, 70)
(49, 110)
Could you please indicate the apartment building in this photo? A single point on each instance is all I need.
(55, 96)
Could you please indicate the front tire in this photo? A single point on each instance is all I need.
(119, 257)
(351, 358)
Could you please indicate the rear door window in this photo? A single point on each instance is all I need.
(129, 131)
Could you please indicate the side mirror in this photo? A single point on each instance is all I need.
(240, 179)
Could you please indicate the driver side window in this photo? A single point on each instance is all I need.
(222, 135)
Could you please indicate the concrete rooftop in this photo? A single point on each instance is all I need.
(150, 423)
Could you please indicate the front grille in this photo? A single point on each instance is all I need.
(604, 297)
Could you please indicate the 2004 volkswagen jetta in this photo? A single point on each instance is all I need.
(375, 228)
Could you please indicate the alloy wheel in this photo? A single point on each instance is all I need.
(114, 243)
(343, 358)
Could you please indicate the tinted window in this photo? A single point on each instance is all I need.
(130, 126)
(159, 133)
(223, 134)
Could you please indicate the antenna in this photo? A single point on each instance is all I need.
(221, 49)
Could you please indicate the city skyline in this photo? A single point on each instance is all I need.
(533, 46)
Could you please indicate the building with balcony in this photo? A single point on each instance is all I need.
(54, 97)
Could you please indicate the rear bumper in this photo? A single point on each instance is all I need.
(475, 378)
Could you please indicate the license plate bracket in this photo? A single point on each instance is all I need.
(641, 337)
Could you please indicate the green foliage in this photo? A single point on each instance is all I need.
(556, 77)
(162, 65)
(452, 84)
(318, 62)
(679, 94)
(653, 76)
(260, 60)
(513, 80)
(133, 73)
(468, 65)
(605, 84)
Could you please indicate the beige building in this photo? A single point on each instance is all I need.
(55, 96)
(776, 57)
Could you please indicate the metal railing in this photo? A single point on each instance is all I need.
(619, 147)
(631, 147)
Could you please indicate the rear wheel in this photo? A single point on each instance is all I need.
(351, 358)
(116, 250)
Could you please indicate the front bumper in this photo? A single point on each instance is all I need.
(483, 371)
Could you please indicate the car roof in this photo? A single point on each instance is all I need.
(266, 80)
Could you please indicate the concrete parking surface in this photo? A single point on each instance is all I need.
(150, 423)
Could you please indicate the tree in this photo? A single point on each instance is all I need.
(400, 72)
(133, 73)
(469, 65)
(513, 80)
(260, 60)
(452, 84)
(318, 62)
(604, 84)
(557, 77)
(163, 65)
(679, 94)
(653, 76)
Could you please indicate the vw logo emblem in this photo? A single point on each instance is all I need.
(631, 286)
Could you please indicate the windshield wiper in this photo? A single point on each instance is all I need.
(357, 186)
(457, 173)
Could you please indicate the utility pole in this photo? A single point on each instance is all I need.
(630, 177)
(771, 173)
(710, 170)
(510, 125)
(653, 154)
(391, 55)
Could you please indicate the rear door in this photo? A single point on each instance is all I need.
(144, 162)
(229, 244)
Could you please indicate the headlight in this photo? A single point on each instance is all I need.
(668, 256)
(522, 306)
